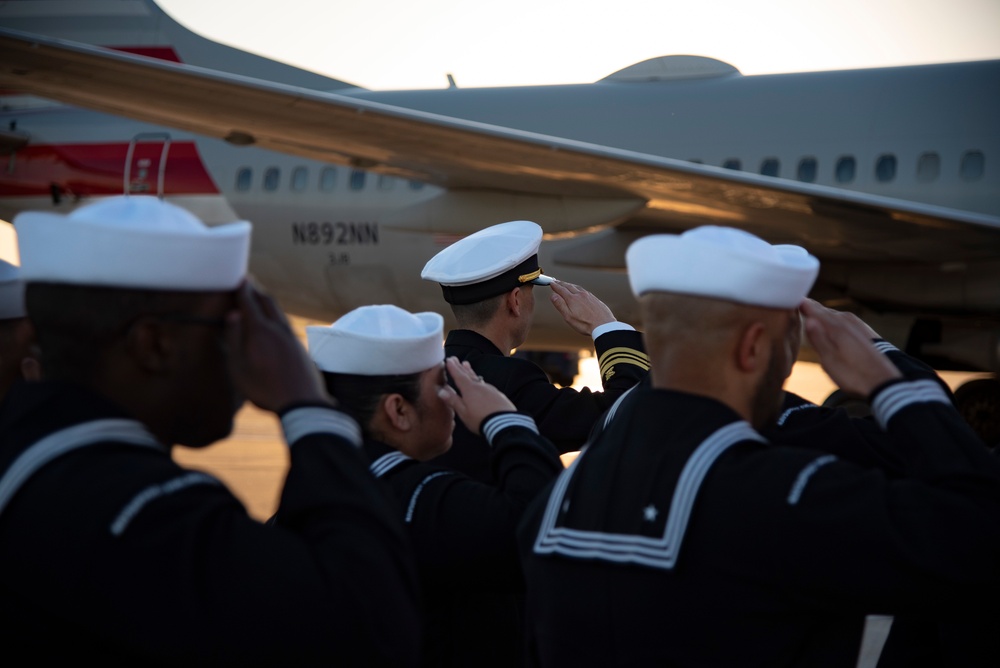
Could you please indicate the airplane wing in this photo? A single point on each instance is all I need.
(670, 195)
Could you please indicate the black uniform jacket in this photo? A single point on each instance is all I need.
(956, 638)
(802, 423)
(112, 553)
(682, 537)
(463, 532)
(952, 638)
(564, 415)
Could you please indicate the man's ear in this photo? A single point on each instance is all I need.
(150, 345)
(753, 348)
(24, 334)
(513, 302)
(397, 411)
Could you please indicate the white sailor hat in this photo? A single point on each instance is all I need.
(132, 241)
(11, 292)
(722, 263)
(380, 340)
(488, 263)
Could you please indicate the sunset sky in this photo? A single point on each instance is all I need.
(394, 44)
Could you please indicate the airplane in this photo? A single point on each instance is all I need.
(889, 175)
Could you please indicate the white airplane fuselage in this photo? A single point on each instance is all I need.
(328, 238)
(906, 112)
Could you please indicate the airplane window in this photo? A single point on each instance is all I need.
(357, 179)
(385, 182)
(244, 177)
(271, 178)
(732, 163)
(972, 167)
(807, 170)
(885, 168)
(845, 169)
(299, 178)
(928, 167)
(416, 185)
(770, 167)
(327, 179)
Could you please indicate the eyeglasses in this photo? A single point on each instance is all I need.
(218, 323)
(189, 319)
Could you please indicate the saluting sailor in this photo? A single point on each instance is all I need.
(150, 336)
(682, 537)
(385, 366)
(488, 279)
(855, 436)
(16, 334)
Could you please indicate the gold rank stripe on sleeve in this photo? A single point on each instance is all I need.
(614, 356)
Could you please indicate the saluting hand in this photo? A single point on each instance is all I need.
(844, 344)
(269, 365)
(580, 309)
(476, 399)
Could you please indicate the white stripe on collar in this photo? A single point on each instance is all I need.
(794, 409)
(614, 407)
(411, 508)
(799, 486)
(156, 491)
(659, 552)
(116, 430)
(387, 462)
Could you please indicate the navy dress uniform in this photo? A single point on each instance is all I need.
(113, 552)
(491, 262)
(462, 530)
(682, 537)
(958, 639)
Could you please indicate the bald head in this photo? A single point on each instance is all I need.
(734, 353)
(720, 313)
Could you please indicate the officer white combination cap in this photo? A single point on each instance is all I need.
(11, 292)
(380, 340)
(488, 263)
(722, 263)
(132, 241)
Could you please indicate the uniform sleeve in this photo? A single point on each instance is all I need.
(859, 440)
(832, 534)
(331, 501)
(855, 439)
(566, 416)
(464, 530)
(912, 368)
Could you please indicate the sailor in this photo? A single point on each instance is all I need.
(680, 536)
(488, 279)
(385, 366)
(150, 337)
(16, 334)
